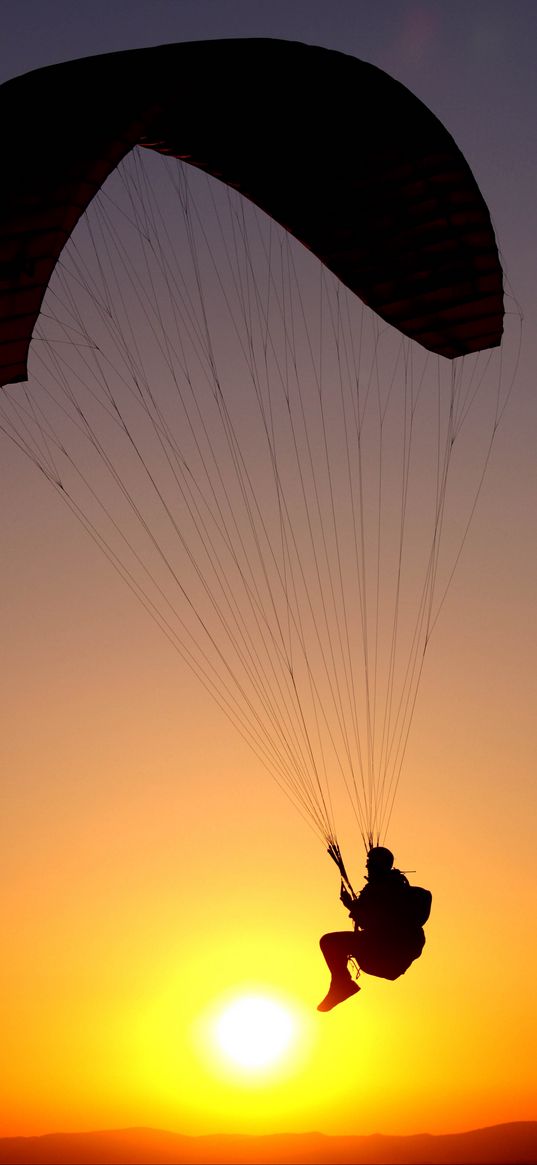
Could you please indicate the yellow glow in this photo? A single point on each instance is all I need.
(254, 1032)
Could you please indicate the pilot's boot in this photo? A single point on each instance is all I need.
(340, 989)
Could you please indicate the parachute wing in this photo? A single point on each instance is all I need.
(336, 151)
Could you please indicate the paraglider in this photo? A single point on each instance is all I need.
(256, 402)
(392, 209)
(389, 915)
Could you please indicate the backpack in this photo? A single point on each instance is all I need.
(420, 902)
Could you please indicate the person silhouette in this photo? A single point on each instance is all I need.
(388, 917)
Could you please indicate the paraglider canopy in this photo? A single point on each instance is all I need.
(332, 148)
(282, 479)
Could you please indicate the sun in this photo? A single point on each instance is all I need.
(254, 1032)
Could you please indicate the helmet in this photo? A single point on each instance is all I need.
(379, 859)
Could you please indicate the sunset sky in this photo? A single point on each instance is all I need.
(152, 872)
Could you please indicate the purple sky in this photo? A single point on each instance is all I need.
(473, 64)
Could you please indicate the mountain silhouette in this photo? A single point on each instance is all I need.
(505, 1144)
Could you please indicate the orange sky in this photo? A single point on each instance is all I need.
(151, 870)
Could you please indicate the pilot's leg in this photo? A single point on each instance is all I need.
(337, 949)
